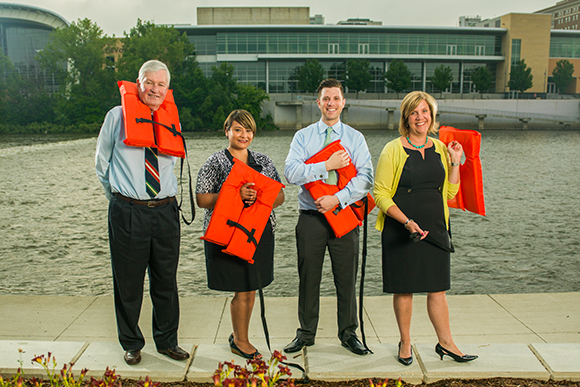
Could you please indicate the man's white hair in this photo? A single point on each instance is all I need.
(152, 66)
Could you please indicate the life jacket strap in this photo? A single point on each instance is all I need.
(249, 233)
(170, 128)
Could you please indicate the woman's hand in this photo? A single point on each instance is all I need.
(413, 227)
(248, 194)
(455, 151)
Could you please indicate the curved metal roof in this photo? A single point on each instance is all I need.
(32, 14)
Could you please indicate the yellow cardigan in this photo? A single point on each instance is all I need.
(389, 170)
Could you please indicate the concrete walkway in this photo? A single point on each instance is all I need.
(515, 335)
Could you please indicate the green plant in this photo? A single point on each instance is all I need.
(398, 76)
(563, 74)
(16, 380)
(260, 373)
(521, 77)
(65, 377)
(398, 383)
(442, 77)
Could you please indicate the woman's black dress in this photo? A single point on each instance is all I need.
(416, 267)
(224, 271)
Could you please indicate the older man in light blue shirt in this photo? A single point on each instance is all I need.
(313, 233)
(144, 229)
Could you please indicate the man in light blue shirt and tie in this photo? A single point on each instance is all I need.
(144, 229)
(313, 233)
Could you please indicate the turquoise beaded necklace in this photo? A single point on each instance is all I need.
(417, 146)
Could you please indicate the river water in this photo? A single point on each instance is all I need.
(53, 218)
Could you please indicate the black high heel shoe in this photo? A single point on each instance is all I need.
(406, 361)
(234, 348)
(460, 359)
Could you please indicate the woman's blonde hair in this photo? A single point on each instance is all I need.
(410, 103)
(242, 117)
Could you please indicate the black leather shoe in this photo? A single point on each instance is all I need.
(407, 361)
(175, 353)
(355, 346)
(297, 344)
(133, 356)
(460, 359)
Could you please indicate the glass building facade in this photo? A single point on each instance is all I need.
(22, 37)
(565, 45)
(267, 56)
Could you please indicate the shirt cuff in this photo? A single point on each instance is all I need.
(320, 171)
(342, 198)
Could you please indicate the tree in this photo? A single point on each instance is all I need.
(9, 84)
(309, 75)
(398, 76)
(482, 78)
(189, 91)
(88, 86)
(563, 74)
(148, 41)
(358, 76)
(521, 77)
(442, 77)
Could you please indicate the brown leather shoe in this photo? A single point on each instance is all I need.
(133, 356)
(175, 353)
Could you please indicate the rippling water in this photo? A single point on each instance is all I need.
(53, 219)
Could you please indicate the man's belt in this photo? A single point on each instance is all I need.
(146, 203)
(311, 213)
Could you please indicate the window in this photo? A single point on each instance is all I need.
(516, 50)
(333, 48)
(479, 50)
(451, 49)
(363, 48)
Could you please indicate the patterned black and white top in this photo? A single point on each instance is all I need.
(214, 172)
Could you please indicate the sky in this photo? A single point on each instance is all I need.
(117, 16)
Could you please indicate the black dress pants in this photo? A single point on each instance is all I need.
(144, 239)
(313, 236)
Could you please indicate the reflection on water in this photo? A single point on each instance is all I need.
(53, 221)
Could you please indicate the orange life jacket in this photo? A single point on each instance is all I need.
(342, 221)
(235, 226)
(470, 195)
(162, 131)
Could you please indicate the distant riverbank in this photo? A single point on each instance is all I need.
(296, 111)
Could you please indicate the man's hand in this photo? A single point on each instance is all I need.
(337, 160)
(326, 203)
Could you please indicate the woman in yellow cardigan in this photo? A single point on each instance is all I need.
(415, 177)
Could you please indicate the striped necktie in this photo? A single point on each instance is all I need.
(332, 178)
(152, 182)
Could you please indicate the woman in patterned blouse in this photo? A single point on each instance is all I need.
(226, 272)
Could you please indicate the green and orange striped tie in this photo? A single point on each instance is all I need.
(152, 181)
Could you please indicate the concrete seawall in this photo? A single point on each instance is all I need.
(297, 111)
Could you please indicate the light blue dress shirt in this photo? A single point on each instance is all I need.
(309, 141)
(121, 168)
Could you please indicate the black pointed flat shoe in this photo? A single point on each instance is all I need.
(460, 359)
(234, 348)
(406, 361)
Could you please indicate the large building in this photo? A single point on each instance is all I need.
(24, 31)
(268, 55)
(267, 44)
(564, 14)
(252, 15)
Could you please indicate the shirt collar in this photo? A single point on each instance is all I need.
(336, 128)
